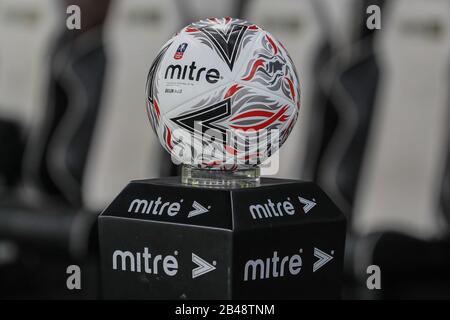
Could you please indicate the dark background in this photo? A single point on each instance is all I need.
(373, 130)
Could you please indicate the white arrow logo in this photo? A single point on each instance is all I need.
(323, 257)
(198, 209)
(308, 204)
(203, 266)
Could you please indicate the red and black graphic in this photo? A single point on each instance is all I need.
(205, 119)
(226, 41)
(272, 69)
(226, 36)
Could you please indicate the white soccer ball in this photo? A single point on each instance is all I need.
(222, 94)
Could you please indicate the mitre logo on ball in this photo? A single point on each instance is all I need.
(222, 94)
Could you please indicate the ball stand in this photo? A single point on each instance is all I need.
(221, 235)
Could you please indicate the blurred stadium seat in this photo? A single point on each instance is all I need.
(399, 202)
(124, 142)
(45, 216)
(25, 30)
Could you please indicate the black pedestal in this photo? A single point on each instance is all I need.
(160, 239)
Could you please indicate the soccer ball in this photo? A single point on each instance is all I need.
(222, 94)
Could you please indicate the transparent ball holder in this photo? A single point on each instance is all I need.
(240, 178)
